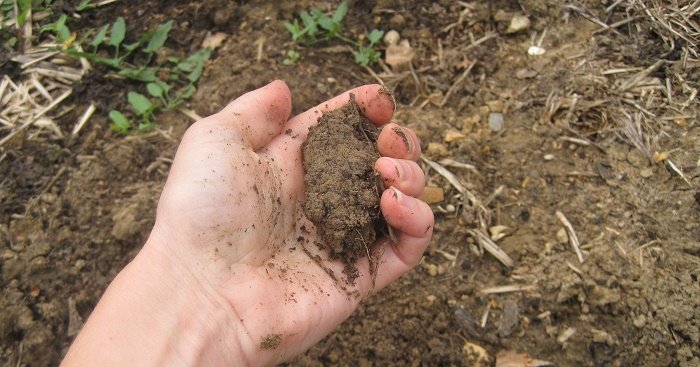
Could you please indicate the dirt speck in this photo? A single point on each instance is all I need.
(270, 342)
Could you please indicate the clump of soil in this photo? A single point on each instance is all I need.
(342, 193)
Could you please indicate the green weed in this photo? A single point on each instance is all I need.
(168, 84)
(316, 26)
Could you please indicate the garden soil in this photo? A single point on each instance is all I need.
(73, 212)
(342, 188)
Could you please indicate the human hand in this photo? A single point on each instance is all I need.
(232, 245)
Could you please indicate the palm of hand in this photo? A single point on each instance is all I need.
(233, 202)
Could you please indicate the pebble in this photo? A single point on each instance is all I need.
(437, 150)
(518, 23)
(392, 38)
(646, 172)
(397, 21)
(525, 73)
(453, 135)
(432, 270)
(562, 236)
(496, 121)
(495, 106)
(548, 157)
(640, 321)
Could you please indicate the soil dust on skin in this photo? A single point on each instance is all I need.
(73, 212)
(342, 189)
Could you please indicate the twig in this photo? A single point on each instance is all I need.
(449, 176)
(189, 113)
(456, 83)
(447, 162)
(83, 119)
(573, 239)
(36, 117)
(492, 248)
(374, 75)
(485, 316)
(21, 349)
(507, 289)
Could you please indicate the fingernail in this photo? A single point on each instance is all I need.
(405, 137)
(399, 196)
(388, 92)
(397, 167)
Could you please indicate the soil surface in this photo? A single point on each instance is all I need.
(342, 192)
(578, 126)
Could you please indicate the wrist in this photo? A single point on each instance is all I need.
(155, 312)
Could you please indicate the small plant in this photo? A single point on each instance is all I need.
(317, 26)
(366, 55)
(144, 110)
(168, 84)
(292, 57)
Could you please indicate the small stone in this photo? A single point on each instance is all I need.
(221, 17)
(562, 236)
(397, 21)
(432, 195)
(392, 38)
(601, 336)
(548, 157)
(495, 106)
(80, 264)
(496, 121)
(399, 56)
(469, 122)
(640, 321)
(453, 135)
(646, 172)
(509, 320)
(518, 23)
(431, 299)
(484, 111)
(660, 157)
(498, 232)
(432, 270)
(525, 73)
(437, 150)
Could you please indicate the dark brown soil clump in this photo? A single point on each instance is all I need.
(342, 196)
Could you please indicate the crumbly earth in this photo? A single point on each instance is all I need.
(342, 192)
(74, 211)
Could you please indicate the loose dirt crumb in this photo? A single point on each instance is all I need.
(271, 342)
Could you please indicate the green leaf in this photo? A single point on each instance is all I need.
(375, 36)
(120, 123)
(310, 26)
(196, 73)
(145, 126)
(116, 36)
(186, 66)
(24, 7)
(291, 28)
(101, 34)
(83, 5)
(155, 90)
(130, 47)
(327, 23)
(143, 74)
(140, 103)
(340, 12)
(63, 33)
(187, 92)
(159, 37)
(163, 85)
